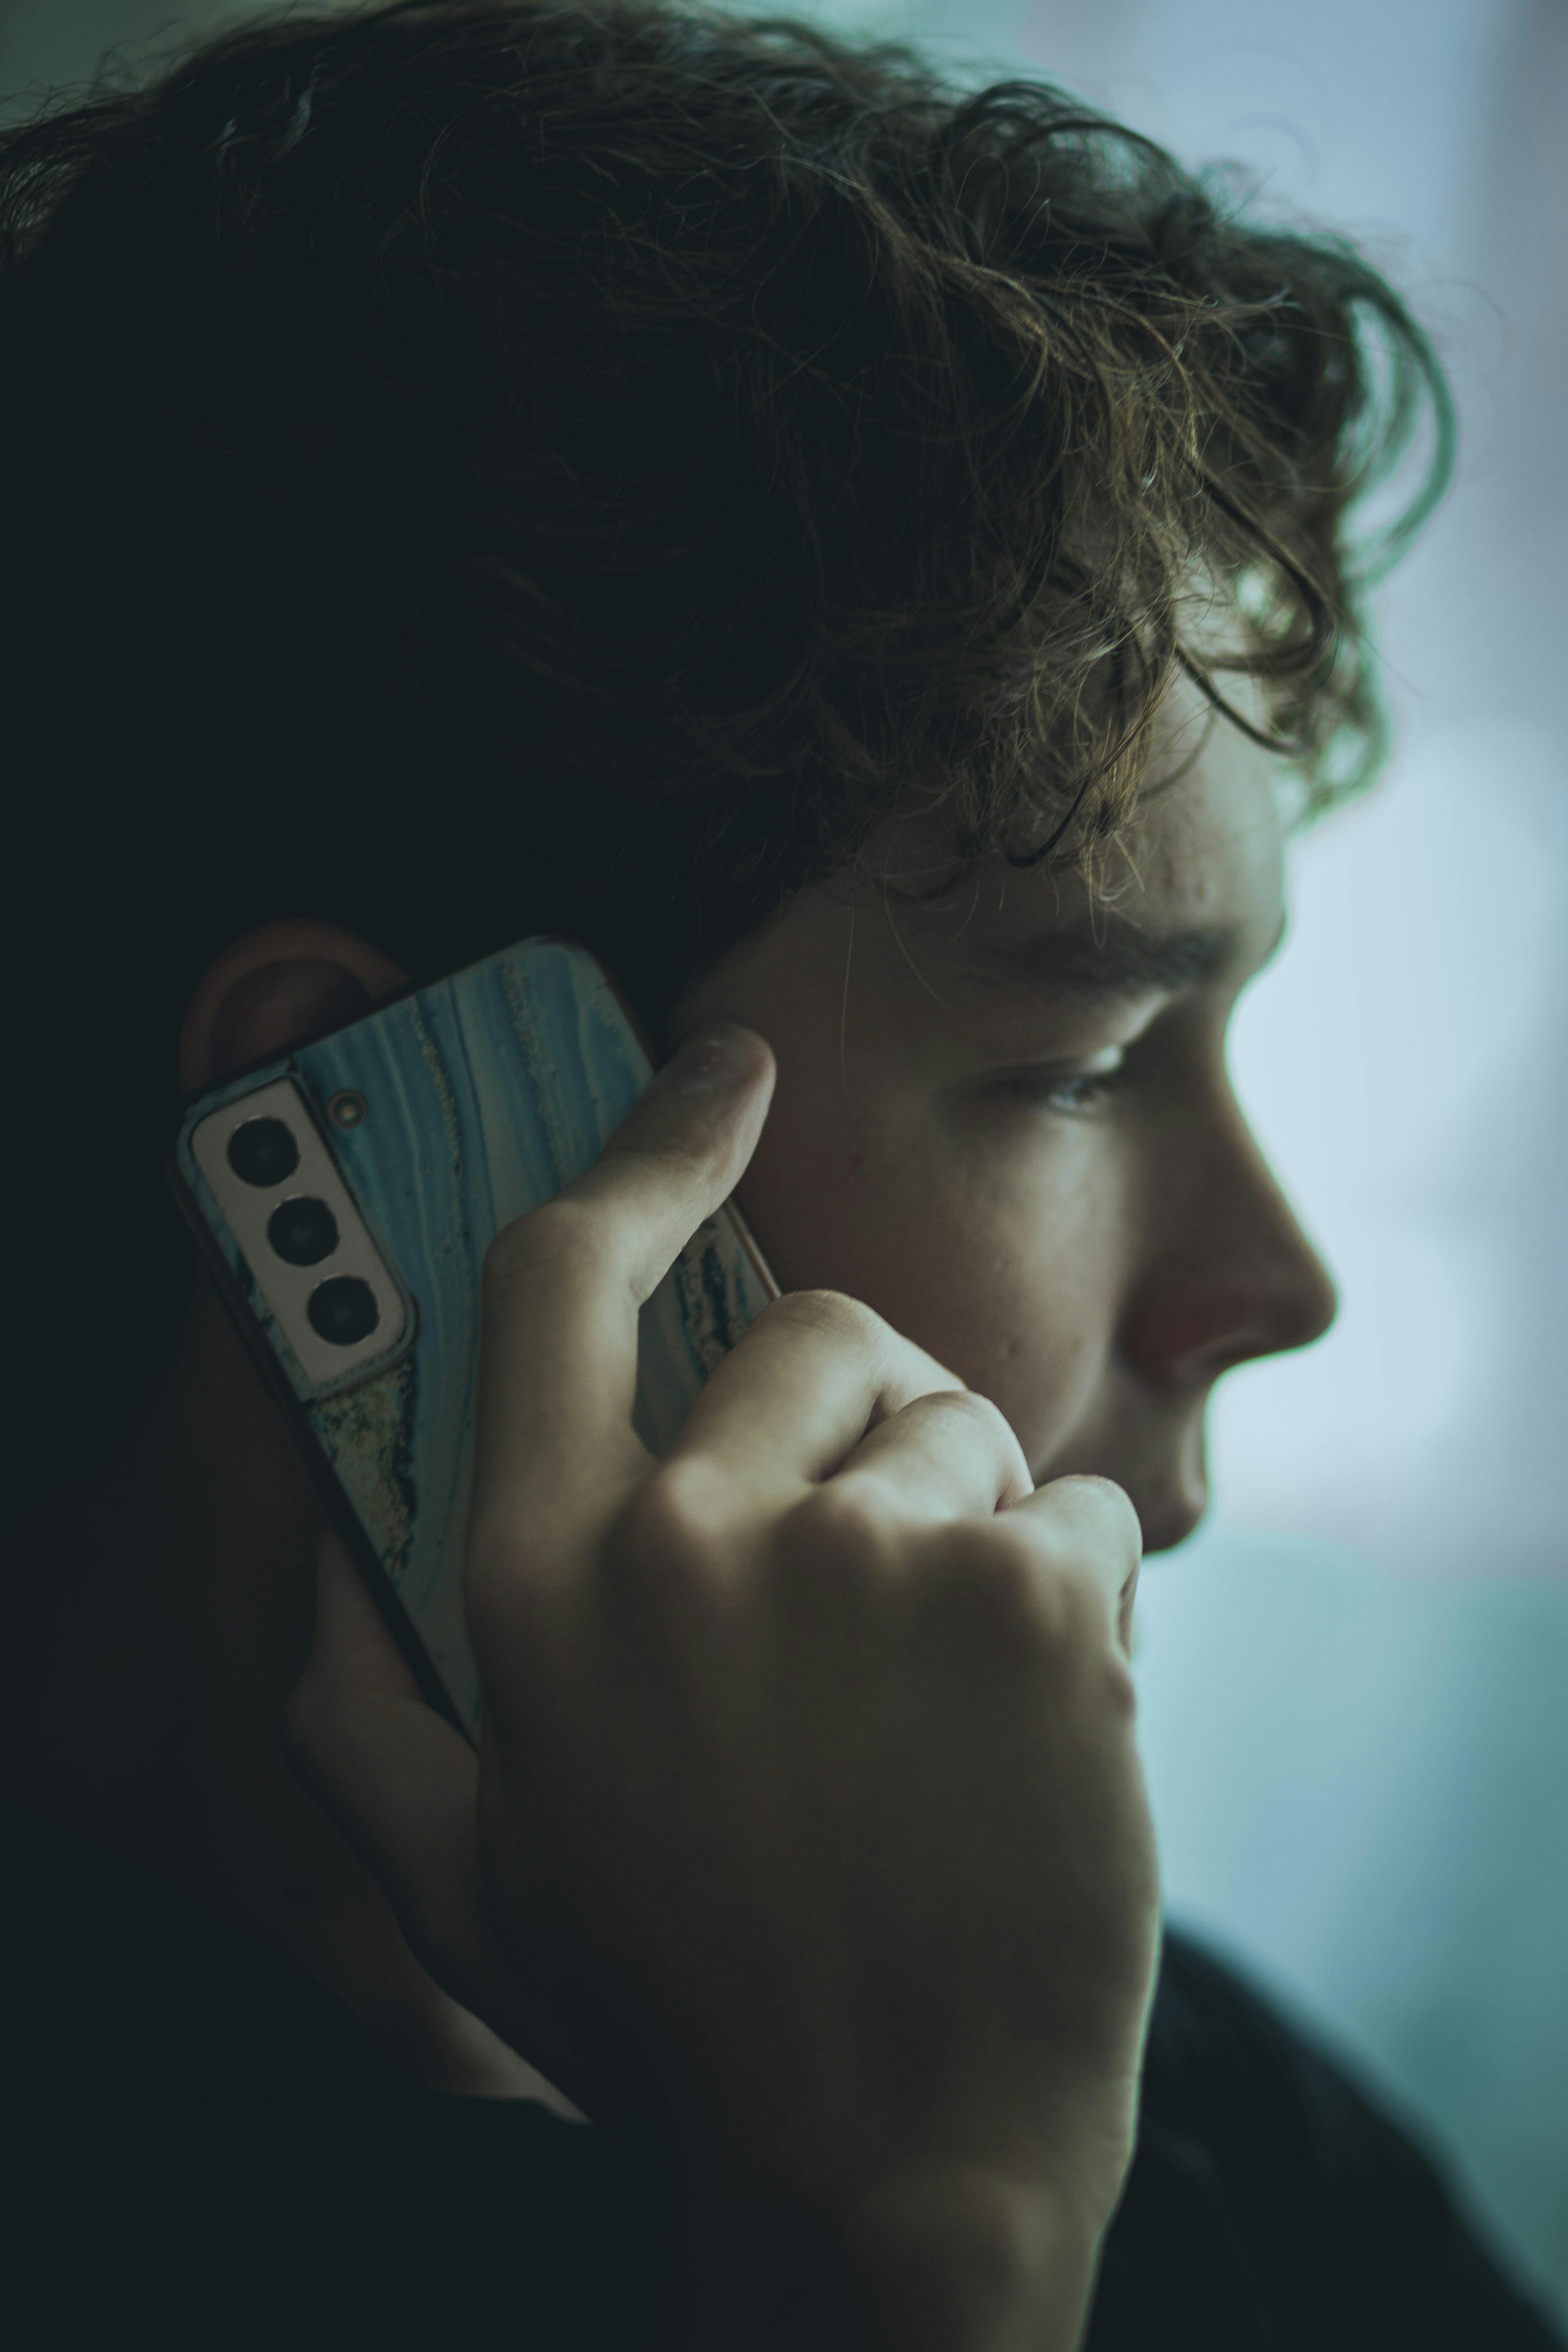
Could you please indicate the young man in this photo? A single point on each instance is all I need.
(875, 564)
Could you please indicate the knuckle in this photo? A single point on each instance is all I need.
(975, 1414)
(832, 1312)
(671, 1529)
(841, 1524)
(1100, 1504)
(970, 1405)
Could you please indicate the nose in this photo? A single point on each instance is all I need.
(1232, 1275)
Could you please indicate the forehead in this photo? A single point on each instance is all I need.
(1194, 885)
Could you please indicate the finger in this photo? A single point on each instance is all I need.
(400, 1783)
(402, 1786)
(1090, 1525)
(942, 1457)
(799, 1391)
(558, 1357)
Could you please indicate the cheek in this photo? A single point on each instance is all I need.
(1013, 1285)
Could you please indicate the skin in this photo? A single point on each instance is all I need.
(1091, 1260)
(1088, 1256)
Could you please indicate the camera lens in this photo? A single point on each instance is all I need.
(303, 1230)
(263, 1151)
(344, 1309)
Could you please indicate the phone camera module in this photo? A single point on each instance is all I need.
(303, 1230)
(342, 1310)
(262, 1151)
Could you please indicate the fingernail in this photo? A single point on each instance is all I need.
(716, 1061)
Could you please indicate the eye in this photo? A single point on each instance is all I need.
(1070, 1086)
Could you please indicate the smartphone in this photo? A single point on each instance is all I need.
(344, 1195)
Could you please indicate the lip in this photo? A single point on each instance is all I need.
(1171, 1521)
(1168, 1513)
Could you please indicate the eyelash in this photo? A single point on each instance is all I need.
(1072, 1092)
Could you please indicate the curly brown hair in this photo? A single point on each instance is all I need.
(483, 466)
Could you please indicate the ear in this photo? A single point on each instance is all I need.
(282, 983)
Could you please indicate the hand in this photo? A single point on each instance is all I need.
(808, 1751)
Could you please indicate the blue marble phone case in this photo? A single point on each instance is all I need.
(483, 1095)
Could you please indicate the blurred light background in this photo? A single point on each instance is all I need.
(1355, 1679)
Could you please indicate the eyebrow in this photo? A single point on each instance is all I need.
(1112, 957)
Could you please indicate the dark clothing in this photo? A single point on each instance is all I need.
(206, 2151)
